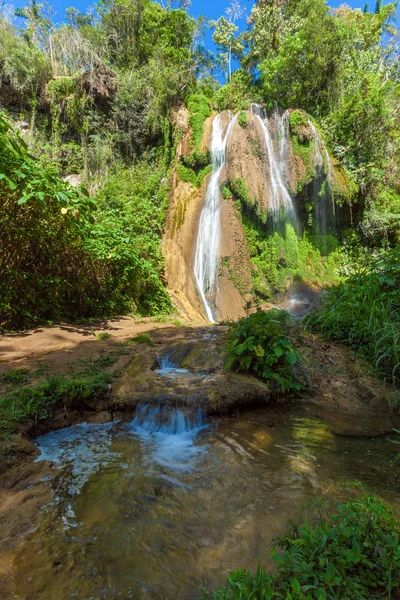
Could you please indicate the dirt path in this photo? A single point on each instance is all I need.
(52, 344)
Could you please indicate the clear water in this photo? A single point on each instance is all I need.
(168, 506)
(208, 237)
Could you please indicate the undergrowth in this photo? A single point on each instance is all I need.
(364, 312)
(353, 554)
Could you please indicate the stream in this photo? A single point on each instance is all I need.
(165, 505)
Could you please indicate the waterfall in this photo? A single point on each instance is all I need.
(324, 202)
(207, 246)
(282, 127)
(279, 195)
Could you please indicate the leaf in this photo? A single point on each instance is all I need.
(259, 351)
(25, 198)
(291, 358)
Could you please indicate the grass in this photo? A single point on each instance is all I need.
(103, 335)
(16, 376)
(34, 402)
(141, 338)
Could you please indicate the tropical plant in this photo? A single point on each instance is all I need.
(259, 344)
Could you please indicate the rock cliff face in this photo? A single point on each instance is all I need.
(274, 165)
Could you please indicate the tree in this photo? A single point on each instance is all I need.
(224, 36)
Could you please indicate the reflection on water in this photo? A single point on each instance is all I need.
(167, 506)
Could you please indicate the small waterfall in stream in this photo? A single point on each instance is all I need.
(278, 164)
(206, 256)
(167, 420)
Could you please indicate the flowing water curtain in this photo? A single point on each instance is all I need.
(208, 237)
(323, 195)
(281, 207)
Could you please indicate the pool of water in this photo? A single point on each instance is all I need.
(164, 506)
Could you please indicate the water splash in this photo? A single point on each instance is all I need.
(169, 367)
(208, 238)
(169, 436)
(85, 447)
(279, 194)
(79, 451)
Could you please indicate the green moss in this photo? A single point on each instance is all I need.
(199, 108)
(141, 338)
(242, 119)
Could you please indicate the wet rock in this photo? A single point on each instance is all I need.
(205, 384)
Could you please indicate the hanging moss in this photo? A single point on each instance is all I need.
(199, 108)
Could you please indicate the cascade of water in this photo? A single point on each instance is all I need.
(323, 207)
(279, 196)
(282, 127)
(206, 256)
(167, 420)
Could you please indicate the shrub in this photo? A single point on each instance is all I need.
(242, 119)
(364, 312)
(258, 344)
(103, 335)
(354, 554)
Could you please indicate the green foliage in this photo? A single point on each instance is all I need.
(242, 119)
(238, 187)
(364, 312)
(353, 553)
(238, 94)
(199, 108)
(61, 88)
(196, 160)
(34, 402)
(226, 191)
(58, 261)
(259, 344)
(190, 176)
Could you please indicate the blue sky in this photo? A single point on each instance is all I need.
(210, 8)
